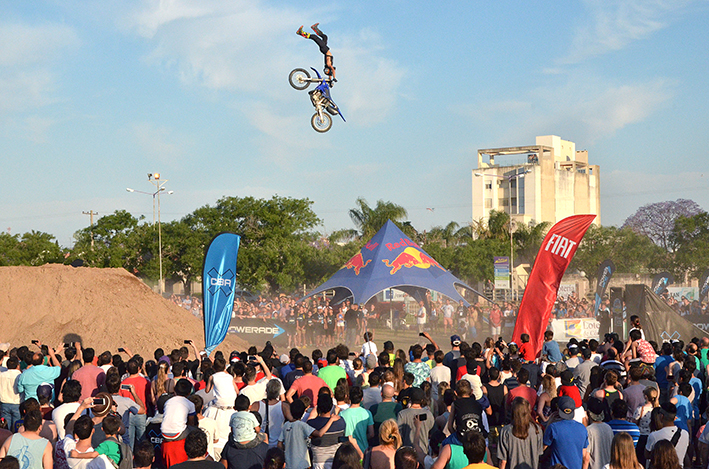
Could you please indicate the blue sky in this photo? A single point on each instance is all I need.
(95, 95)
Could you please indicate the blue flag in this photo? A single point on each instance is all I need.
(218, 285)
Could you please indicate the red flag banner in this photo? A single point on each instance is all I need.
(554, 256)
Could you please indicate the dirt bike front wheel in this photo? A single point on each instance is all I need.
(299, 79)
(321, 125)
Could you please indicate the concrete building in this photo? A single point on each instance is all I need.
(547, 181)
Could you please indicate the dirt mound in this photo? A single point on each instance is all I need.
(106, 308)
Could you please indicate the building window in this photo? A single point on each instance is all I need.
(488, 203)
(488, 185)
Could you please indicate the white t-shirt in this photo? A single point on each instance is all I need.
(255, 392)
(439, 374)
(174, 421)
(209, 426)
(224, 391)
(369, 348)
(60, 413)
(666, 434)
(421, 316)
(447, 311)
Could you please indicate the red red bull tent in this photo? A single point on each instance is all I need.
(391, 260)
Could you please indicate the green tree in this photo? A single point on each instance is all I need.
(690, 238)
(274, 237)
(631, 252)
(116, 243)
(31, 248)
(528, 239)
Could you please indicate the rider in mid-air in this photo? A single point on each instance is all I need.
(321, 40)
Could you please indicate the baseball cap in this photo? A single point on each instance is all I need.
(455, 340)
(234, 357)
(596, 407)
(566, 408)
(567, 377)
(44, 391)
(285, 359)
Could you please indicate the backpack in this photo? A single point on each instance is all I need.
(126, 455)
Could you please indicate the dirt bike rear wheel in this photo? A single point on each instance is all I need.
(298, 79)
(321, 125)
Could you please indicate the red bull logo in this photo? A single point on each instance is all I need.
(411, 257)
(357, 263)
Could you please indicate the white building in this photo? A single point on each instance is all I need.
(547, 181)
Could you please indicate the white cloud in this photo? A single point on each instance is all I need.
(586, 108)
(159, 141)
(614, 25)
(250, 46)
(27, 53)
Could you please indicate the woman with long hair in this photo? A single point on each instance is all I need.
(159, 385)
(642, 417)
(398, 369)
(522, 438)
(382, 456)
(623, 452)
(544, 401)
(664, 456)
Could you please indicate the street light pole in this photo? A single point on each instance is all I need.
(154, 179)
(512, 259)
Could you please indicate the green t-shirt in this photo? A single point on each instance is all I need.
(331, 374)
(357, 419)
(111, 449)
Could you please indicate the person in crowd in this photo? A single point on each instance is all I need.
(358, 420)
(582, 372)
(144, 455)
(372, 393)
(207, 425)
(38, 373)
(255, 389)
(382, 455)
(466, 412)
(110, 447)
(10, 396)
(325, 447)
(420, 370)
(197, 454)
(416, 422)
(664, 456)
(347, 456)
(565, 439)
(71, 393)
(642, 417)
(33, 451)
(600, 434)
(520, 444)
(388, 409)
(295, 435)
(89, 375)
(125, 406)
(179, 412)
(623, 453)
(667, 430)
(620, 422)
(332, 373)
(475, 449)
(245, 428)
(309, 385)
(523, 391)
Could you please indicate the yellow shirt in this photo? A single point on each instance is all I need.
(480, 465)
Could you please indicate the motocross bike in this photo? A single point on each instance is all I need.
(321, 121)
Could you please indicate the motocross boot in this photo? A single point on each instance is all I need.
(315, 28)
(300, 32)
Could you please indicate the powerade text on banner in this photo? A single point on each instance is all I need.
(218, 285)
(557, 250)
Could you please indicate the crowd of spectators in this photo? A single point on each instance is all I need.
(620, 404)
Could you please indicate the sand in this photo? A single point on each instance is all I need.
(103, 308)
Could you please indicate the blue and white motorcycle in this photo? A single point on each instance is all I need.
(321, 121)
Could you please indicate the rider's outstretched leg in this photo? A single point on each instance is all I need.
(318, 32)
(300, 32)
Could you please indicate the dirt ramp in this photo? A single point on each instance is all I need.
(106, 308)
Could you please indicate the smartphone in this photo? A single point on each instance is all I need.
(187, 342)
(251, 358)
(99, 401)
(121, 349)
(421, 334)
(125, 387)
(343, 439)
(67, 345)
(422, 417)
(35, 342)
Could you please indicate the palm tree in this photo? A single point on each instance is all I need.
(369, 220)
(528, 239)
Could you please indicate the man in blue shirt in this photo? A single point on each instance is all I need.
(38, 373)
(620, 423)
(566, 440)
(661, 363)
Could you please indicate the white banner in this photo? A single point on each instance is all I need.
(565, 329)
